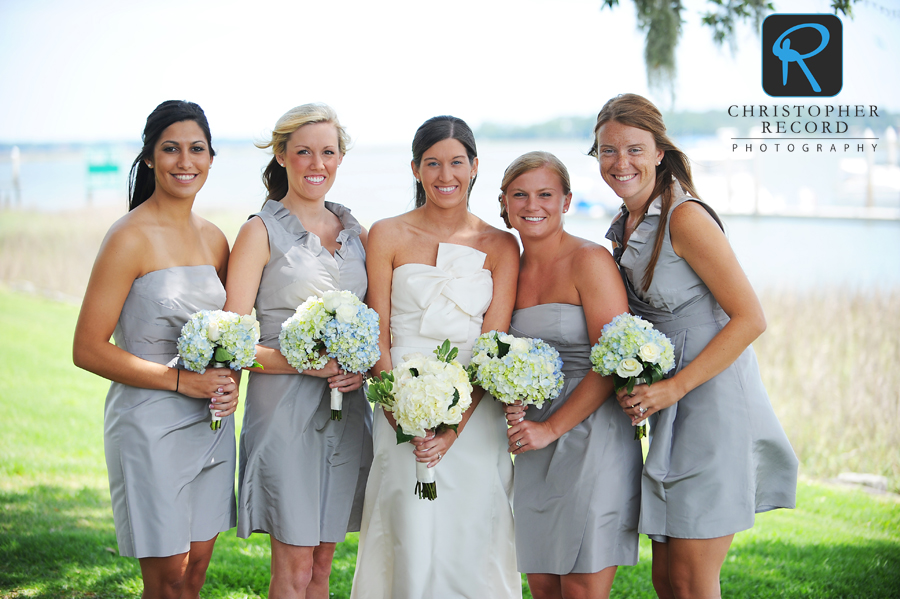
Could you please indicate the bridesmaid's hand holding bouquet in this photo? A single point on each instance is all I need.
(219, 339)
(633, 352)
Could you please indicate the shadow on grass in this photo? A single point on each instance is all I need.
(57, 542)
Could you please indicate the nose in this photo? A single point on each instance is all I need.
(185, 160)
(622, 159)
(319, 162)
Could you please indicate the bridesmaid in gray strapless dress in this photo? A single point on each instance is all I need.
(171, 478)
(302, 475)
(576, 500)
(577, 484)
(189, 484)
(718, 454)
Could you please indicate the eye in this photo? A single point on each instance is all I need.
(302, 152)
(432, 163)
(198, 149)
(606, 151)
(455, 162)
(329, 152)
(169, 149)
(636, 150)
(518, 194)
(546, 194)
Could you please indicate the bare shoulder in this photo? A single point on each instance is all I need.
(689, 216)
(211, 233)
(127, 236)
(589, 257)
(389, 227)
(495, 239)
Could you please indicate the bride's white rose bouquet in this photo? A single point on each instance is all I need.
(424, 393)
(337, 325)
(221, 339)
(513, 368)
(633, 352)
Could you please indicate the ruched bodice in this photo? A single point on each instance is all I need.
(171, 478)
(576, 500)
(445, 301)
(719, 454)
(294, 250)
(460, 545)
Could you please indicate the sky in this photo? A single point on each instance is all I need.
(93, 70)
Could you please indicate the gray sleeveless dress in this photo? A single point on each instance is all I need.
(302, 475)
(718, 455)
(576, 501)
(171, 478)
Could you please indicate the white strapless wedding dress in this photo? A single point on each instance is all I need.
(461, 544)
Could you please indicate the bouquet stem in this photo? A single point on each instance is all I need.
(337, 401)
(216, 423)
(426, 488)
(640, 430)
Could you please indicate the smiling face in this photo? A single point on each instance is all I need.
(311, 157)
(445, 173)
(181, 160)
(535, 202)
(628, 157)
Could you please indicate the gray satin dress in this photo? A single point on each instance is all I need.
(577, 500)
(171, 478)
(719, 455)
(302, 475)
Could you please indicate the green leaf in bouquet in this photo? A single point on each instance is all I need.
(257, 365)
(502, 348)
(452, 355)
(455, 398)
(402, 437)
(656, 374)
(222, 355)
(381, 390)
(452, 427)
(414, 371)
(618, 382)
(630, 385)
(443, 350)
(472, 371)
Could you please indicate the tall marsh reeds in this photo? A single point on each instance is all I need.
(831, 364)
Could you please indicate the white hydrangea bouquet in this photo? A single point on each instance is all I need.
(513, 368)
(337, 325)
(424, 393)
(633, 352)
(219, 339)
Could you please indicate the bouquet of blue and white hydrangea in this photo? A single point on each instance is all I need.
(633, 352)
(424, 393)
(337, 325)
(218, 338)
(516, 369)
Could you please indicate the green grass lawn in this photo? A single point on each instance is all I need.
(57, 538)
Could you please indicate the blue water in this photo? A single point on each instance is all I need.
(779, 253)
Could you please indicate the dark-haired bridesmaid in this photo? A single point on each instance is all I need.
(171, 478)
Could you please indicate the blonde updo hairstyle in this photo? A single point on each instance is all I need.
(275, 176)
(531, 161)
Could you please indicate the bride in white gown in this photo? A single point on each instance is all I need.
(439, 272)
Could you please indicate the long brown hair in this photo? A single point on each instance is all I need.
(636, 111)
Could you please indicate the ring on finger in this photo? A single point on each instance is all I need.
(642, 410)
(440, 456)
(519, 443)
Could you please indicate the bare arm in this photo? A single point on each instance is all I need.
(698, 239)
(119, 262)
(603, 298)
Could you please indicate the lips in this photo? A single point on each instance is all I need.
(450, 189)
(623, 178)
(533, 219)
(315, 179)
(186, 177)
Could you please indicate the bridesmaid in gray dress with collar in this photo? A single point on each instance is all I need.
(718, 454)
(577, 483)
(171, 478)
(302, 476)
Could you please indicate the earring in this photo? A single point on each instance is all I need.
(149, 165)
(658, 163)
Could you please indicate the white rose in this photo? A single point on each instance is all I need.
(518, 345)
(332, 299)
(248, 320)
(650, 352)
(345, 313)
(213, 331)
(629, 367)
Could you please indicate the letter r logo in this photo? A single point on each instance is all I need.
(802, 55)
